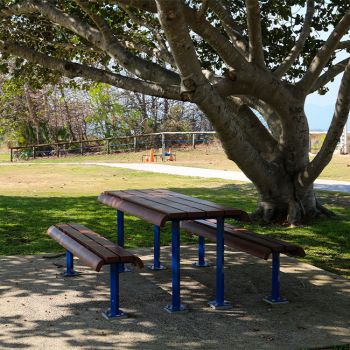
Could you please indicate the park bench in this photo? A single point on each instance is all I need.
(249, 242)
(95, 251)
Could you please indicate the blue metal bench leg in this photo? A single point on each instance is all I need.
(156, 259)
(220, 302)
(201, 253)
(176, 305)
(69, 265)
(275, 297)
(120, 235)
(114, 311)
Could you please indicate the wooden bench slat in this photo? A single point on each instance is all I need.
(88, 257)
(243, 239)
(234, 242)
(125, 256)
(96, 248)
(247, 235)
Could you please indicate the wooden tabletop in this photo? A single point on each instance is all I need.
(158, 206)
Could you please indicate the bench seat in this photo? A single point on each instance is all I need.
(95, 251)
(249, 242)
(242, 239)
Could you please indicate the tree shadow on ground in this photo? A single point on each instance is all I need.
(41, 309)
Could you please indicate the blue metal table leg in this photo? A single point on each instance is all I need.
(275, 297)
(176, 305)
(201, 253)
(69, 265)
(156, 259)
(114, 311)
(120, 236)
(220, 302)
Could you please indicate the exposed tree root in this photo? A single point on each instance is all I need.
(293, 214)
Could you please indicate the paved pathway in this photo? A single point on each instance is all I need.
(329, 185)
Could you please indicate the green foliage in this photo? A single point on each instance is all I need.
(281, 24)
(109, 117)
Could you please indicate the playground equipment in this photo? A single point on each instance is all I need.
(170, 156)
(165, 156)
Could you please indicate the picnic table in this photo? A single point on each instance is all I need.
(158, 206)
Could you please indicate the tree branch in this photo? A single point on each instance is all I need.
(73, 70)
(329, 75)
(324, 53)
(344, 45)
(232, 30)
(229, 54)
(340, 116)
(298, 47)
(256, 53)
(163, 52)
(206, 96)
(142, 68)
(176, 31)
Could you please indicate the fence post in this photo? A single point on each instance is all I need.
(11, 154)
(81, 148)
(135, 143)
(193, 141)
(33, 152)
(163, 147)
(57, 150)
(107, 145)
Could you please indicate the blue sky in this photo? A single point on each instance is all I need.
(319, 109)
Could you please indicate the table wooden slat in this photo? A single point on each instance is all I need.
(158, 206)
(181, 205)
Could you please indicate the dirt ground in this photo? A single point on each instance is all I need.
(39, 309)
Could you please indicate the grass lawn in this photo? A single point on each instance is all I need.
(211, 157)
(33, 197)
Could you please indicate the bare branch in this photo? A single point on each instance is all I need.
(256, 53)
(329, 75)
(340, 117)
(298, 47)
(324, 53)
(73, 70)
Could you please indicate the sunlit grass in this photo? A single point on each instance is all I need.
(33, 197)
(211, 157)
